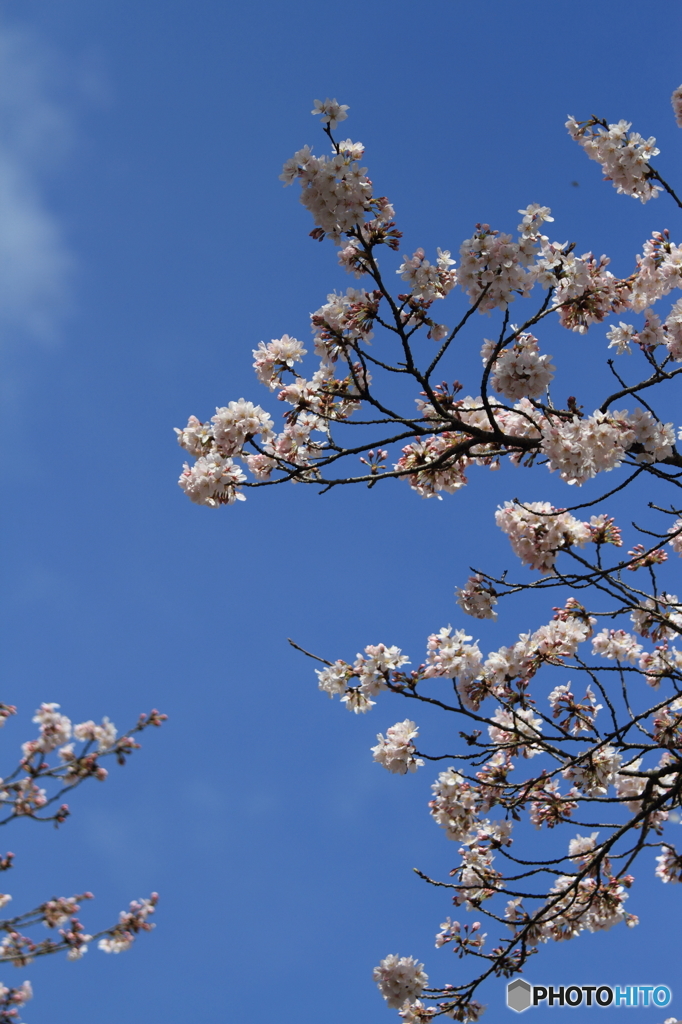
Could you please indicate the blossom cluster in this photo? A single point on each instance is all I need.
(578, 906)
(396, 750)
(372, 670)
(335, 190)
(477, 598)
(493, 268)
(624, 155)
(428, 281)
(653, 334)
(400, 979)
(519, 371)
(658, 617)
(131, 923)
(56, 729)
(577, 717)
(669, 863)
(538, 531)
(579, 448)
(657, 274)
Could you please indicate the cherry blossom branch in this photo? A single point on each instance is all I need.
(20, 790)
(623, 765)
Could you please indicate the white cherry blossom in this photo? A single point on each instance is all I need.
(624, 156)
(330, 111)
(396, 750)
(477, 598)
(617, 645)
(400, 979)
(212, 481)
(519, 371)
(538, 531)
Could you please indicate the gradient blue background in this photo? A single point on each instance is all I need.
(157, 249)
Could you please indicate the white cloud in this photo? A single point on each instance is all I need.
(35, 129)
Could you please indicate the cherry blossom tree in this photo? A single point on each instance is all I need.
(596, 761)
(57, 761)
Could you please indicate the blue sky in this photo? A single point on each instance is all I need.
(148, 248)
